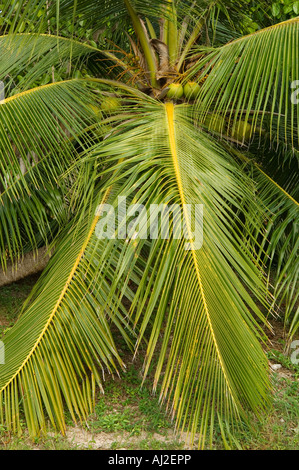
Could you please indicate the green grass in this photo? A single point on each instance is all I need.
(279, 357)
(279, 429)
(126, 406)
(131, 410)
(12, 298)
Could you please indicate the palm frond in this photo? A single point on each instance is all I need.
(113, 10)
(199, 301)
(250, 80)
(30, 221)
(40, 131)
(281, 245)
(210, 358)
(61, 341)
(276, 228)
(30, 56)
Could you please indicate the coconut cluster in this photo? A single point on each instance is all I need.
(189, 91)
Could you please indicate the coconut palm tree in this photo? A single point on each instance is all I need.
(170, 103)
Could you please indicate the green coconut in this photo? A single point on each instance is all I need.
(241, 131)
(110, 104)
(215, 123)
(191, 90)
(95, 109)
(175, 91)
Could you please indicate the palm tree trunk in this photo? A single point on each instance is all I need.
(31, 263)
